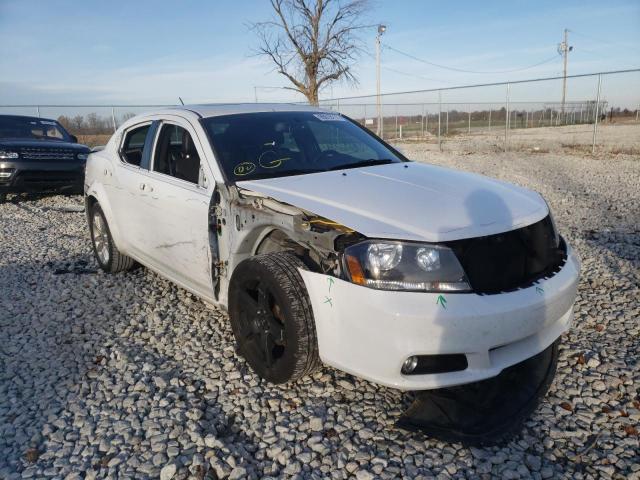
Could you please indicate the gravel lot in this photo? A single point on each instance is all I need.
(129, 376)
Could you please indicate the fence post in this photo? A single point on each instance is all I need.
(469, 127)
(526, 121)
(38, 110)
(426, 123)
(439, 118)
(422, 122)
(446, 130)
(637, 111)
(595, 123)
(381, 118)
(113, 119)
(506, 121)
(490, 117)
(396, 134)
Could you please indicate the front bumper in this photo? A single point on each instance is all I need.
(38, 176)
(370, 333)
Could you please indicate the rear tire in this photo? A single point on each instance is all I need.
(107, 255)
(272, 319)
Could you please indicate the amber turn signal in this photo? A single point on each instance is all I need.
(355, 270)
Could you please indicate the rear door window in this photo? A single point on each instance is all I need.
(132, 150)
(176, 154)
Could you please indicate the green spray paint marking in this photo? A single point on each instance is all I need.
(441, 301)
(540, 290)
(329, 301)
(331, 282)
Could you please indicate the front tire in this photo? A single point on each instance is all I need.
(272, 319)
(107, 255)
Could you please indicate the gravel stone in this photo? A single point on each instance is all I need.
(168, 471)
(130, 376)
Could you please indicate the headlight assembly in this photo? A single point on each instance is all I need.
(5, 155)
(404, 266)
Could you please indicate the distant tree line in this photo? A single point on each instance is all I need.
(91, 124)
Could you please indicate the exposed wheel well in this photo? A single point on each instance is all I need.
(278, 241)
(89, 202)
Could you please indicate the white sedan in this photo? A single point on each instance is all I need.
(325, 244)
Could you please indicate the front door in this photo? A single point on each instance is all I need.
(175, 227)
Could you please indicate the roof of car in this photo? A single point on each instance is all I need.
(217, 109)
(27, 117)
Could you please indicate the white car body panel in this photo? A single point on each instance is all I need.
(370, 333)
(409, 201)
(164, 223)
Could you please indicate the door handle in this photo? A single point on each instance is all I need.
(142, 186)
(147, 187)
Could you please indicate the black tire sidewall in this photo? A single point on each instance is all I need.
(287, 366)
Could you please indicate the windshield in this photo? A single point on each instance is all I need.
(276, 144)
(31, 128)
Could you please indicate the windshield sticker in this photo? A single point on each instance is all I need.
(244, 168)
(47, 122)
(329, 117)
(265, 160)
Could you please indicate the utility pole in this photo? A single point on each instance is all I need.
(381, 30)
(564, 49)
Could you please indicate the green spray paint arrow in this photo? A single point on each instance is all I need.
(540, 290)
(331, 281)
(442, 301)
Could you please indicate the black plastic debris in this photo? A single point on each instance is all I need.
(486, 412)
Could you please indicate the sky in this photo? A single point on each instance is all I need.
(154, 51)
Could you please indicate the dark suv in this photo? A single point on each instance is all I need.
(38, 154)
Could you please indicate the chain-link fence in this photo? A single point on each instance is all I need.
(436, 115)
(499, 108)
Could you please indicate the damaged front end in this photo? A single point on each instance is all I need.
(486, 412)
(370, 333)
(246, 223)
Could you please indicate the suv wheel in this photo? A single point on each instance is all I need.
(105, 251)
(271, 317)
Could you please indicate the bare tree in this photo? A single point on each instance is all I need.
(313, 42)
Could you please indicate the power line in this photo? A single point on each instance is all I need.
(370, 55)
(492, 84)
(433, 64)
(399, 72)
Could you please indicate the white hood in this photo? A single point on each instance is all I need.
(409, 201)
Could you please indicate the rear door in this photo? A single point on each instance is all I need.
(126, 193)
(175, 211)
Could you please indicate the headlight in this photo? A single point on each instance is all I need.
(387, 265)
(82, 156)
(4, 155)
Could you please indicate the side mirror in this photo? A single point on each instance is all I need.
(74, 139)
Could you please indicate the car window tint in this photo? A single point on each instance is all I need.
(257, 145)
(176, 154)
(133, 145)
(333, 139)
